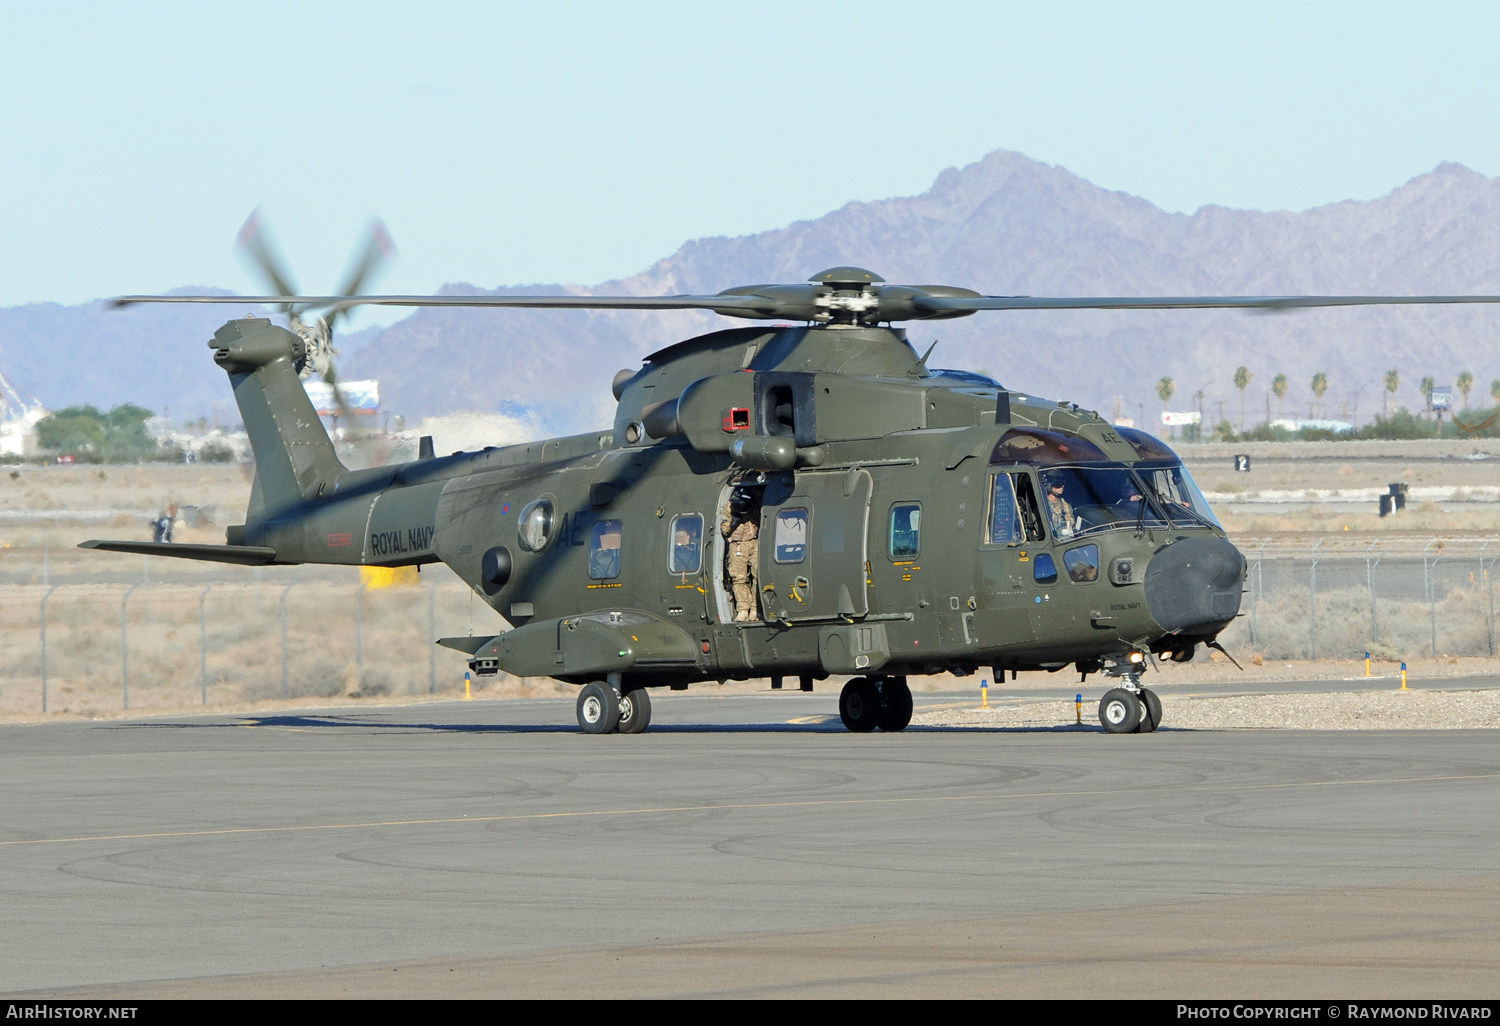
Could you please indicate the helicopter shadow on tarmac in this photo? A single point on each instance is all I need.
(830, 725)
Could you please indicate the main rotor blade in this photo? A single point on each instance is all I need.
(743, 306)
(946, 304)
(905, 303)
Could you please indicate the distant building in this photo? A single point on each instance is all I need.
(1336, 426)
(19, 415)
(185, 440)
(362, 397)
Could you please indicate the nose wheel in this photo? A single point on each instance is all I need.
(1130, 709)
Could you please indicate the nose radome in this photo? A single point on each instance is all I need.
(1193, 586)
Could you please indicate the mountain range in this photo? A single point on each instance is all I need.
(1005, 225)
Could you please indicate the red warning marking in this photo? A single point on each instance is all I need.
(337, 540)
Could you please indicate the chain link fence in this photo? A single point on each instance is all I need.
(97, 648)
(1336, 599)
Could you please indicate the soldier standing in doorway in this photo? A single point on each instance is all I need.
(738, 524)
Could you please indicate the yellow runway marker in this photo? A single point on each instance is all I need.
(749, 806)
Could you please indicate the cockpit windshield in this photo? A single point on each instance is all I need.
(1083, 500)
(1080, 496)
(1177, 492)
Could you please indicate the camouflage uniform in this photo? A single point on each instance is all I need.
(1060, 513)
(743, 544)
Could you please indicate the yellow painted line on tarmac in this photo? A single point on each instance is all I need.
(751, 806)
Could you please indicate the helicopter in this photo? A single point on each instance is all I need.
(792, 500)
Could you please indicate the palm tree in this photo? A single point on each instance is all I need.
(1164, 388)
(1392, 382)
(1426, 388)
(1495, 391)
(1279, 386)
(1319, 385)
(1465, 384)
(1242, 378)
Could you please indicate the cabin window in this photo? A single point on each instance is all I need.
(1082, 563)
(906, 530)
(604, 549)
(1005, 517)
(687, 544)
(791, 535)
(1044, 569)
(534, 525)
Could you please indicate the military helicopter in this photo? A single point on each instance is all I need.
(901, 519)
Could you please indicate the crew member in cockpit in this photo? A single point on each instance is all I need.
(1059, 511)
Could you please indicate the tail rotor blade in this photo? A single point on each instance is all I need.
(259, 247)
(377, 249)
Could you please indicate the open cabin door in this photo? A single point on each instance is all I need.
(814, 548)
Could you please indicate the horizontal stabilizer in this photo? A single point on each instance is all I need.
(245, 555)
(469, 645)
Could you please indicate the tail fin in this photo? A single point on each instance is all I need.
(294, 457)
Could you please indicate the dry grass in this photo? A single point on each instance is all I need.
(240, 646)
(1424, 518)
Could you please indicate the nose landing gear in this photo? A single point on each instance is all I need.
(1130, 708)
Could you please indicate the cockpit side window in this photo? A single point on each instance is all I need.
(1005, 516)
(1027, 506)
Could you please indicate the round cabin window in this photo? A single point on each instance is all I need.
(534, 528)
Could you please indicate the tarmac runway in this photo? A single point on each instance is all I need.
(745, 845)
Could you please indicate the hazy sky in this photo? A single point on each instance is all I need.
(510, 143)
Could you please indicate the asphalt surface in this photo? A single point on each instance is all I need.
(745, 845)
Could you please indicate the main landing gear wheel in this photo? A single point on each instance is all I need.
(598, 708)
(859, 705)
(1120, 711)
(635, 711)
(1151, 713)
(895, 704)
